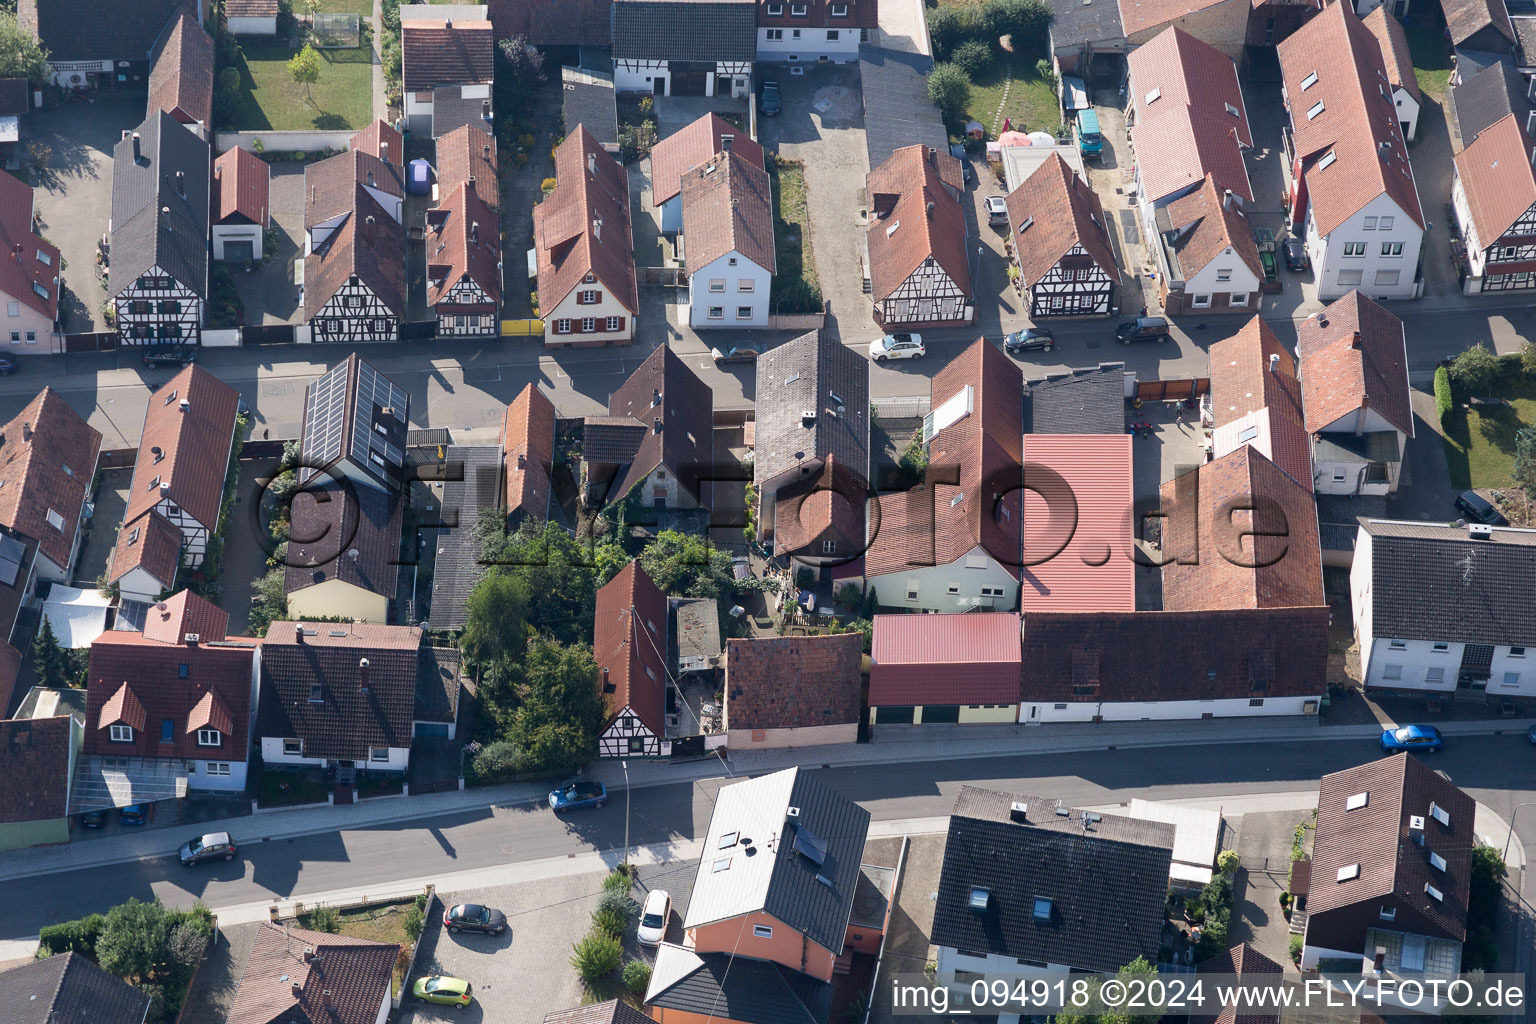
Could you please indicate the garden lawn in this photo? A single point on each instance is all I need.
(1480, 441)
(795, 286)
(1032, 103)
(382, 922)
(302, 789)
(270, 100)
(363, 7)
(1430, 51)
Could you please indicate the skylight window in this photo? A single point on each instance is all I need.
(1434, 893)
(1029, 222)
(1233, 110)
(1248, 434)
(1440, 814)
(1436, 861)
(1042, 909)
(1349, 872)
(1357, 801)
(1314, 110)
(720, 865)
(1309, 81)
(980, 898)
(728, 840)
(1154, 95)
(1328, 158)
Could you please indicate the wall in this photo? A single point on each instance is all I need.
(1333, 262)
(812, 45)
(663, 483)
(1407, 111)
(282, 142)
(1416, 658)
(1242, 280)
(569, 309)
(934, 583)
(418, 112)
(672, 215)
(635, 76)
(229, 338)
(806, 736)
(786, 946)
(19, 835)
(700, 298)
(970, 713)
(138, 585)
(19, 320)
(234, 782)
(253, 26)
(273, 757)
(223, 233)
(1032, 712)
(338, 597)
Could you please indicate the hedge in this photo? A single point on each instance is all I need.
(1443, 402)
(72, 937)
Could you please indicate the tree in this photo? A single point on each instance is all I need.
(1528, 357)
(686, 564)
(187, 943)
(562, 706)
(304, 69)
(637, 976)
(1025, 21)
(325, 919)
(561, 573)
(135, 940)
(950, 90)
(1138, 968)
(311, 7)
(596, 956)
(1475, 369)
(948, 27)
(974, 57)
(20, 55)
(49, 660)
(1227, 862)
(273, 606)
(496, 620)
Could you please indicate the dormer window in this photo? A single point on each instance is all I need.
(775, 10)
(209, 738)
(120, 734)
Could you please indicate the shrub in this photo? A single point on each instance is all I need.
(1046, 71)
(596, 956)
(1475, 369)
(547, 185)
(617, 881)
(325, 919)
(974, 57)
(950, 90)
(805, 577)
(609, 923)
(1227, 862)
(415, 920)
(1024, 20)
(72, 937)
(497, 762)
(948, 27)
(637, 976)
(617, 904)
(1528, 357)
(1443, 401)
(1296, 943)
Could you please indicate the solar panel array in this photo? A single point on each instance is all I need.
(325, 419)
(12, 554)
(376, 391)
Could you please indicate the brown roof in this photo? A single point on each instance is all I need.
(68, 987)
(826, 506)
(10, 668)
(528, 440)
(463, 242)
(47, 459)
(1393, 40)
(1378, 838)
(857, 14)
(1214, 654)
(553, 22)
(1358, 122)
(614, 1011)
(152, 543)
(1242, 383)
(345, 982)
(905, 233)
(183, 449)
(1244, 961)
(169, 621)
(369, 244)
(445, 53)
(331, 186)
(1248, 539)
(693, 145)
(250, 8)
(29, 280)
(123, 707)
(793, 682)
(1140, 15)
(34, 761)
(727, 208)
(951, 659)
(181, 81)
(582, 227)
(1499, 181)
(241, 180)
(1353, 357)
(468, 153)
(684, 443)
(1062, 211)
(1208, 227)
(347, 533)
(629, 639)
(1466, 18)
(381, 140)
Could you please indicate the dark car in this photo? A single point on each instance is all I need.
(1479, 509)
(1411, 737)
(737, 352)
(472, 917)
(1296, 256)
(1029, 339)
(7, 366)
(770, 101)
(93, 819)
(213, 846)
(1143, 328)
(576, 795)
(171, 355)
(133, 814)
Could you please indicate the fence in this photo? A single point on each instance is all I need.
(226, 338)
(99, 341)
(522, 328)
(912, 407)
(797, 322)
(669, 276)
(267, 334)
(117, 458)
(1171, 390)
(282, 142)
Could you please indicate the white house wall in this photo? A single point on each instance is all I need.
(26, 331)
(1360, 596)
(1242, 280)
(253, 26)
(1330, 262)
(732, 299)
(934, 583)
(1033, 712)
(1407, 112)
(807, 44)
(234, 782)
(569, 309)
(138, 585)
(272, 756)
(1415, 659)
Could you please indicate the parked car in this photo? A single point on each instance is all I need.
(472, 917)
(576, 795)
(738, 352)
(1143, 328)
(443, 990)
(897, 346)
(133, 814)
(93, 819)
(654, 918)
(1296, 256)
(1530, 734)
(7, 366)
(213, 846)
(170, 355)
(770, 99)
(1479, 509)
(1411, 737)
(1029, 339)
(997, 210)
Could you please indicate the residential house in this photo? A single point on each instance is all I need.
(684, 47)
(957, 545)
(1438, 608)
(242, 212)
(919, 268)
(1482, 98)
(339, 695)
(1494, 197)
(1060, 242)
(468, 155)
(893, 86)
(37, 759)
(146, 560)
(1391, 870)
(1087, 40)
(1274, 20)
(181, 80)
(302, 977)
(528, 445)
(727, 241)
(464, 265)
(1082, 401)
(563, 25)
(251, 17)
(470, 478)
(695, 651)
(614, 1011)
(1393, 40)
(588, 98)
(1352, 197)
(355, 422)
(656, 443)
(1188, 123)
(693, 146)
(1220, 24)
(174, 703)
(70, 987)
(158, 279)
(585, 248)
(29, 283)
(446, 58)
(1256, 400)
(792, 691)
(48, 457)
(824, 31)
(629, 638)
(1248, 966)
(944, 668)
(1154, 666)
(1077, 539)
(1207, 253)
(100, 43)
(1354, 385)
(1079, 892)
(1482, 25)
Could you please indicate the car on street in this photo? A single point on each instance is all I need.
(769, 104)
(1530, 734)
(574, 796)
(213, 846)
(472, 917)
(1296, 256)
(1422, 738)
(737, 352)
(170, 355)
(997, 210)
(1030, 339)
(897, 346)
(1143, 328)
(443, 990)
(7, 366)
(93, 819)
(1479, 509)
(654, 918)
(133, 814)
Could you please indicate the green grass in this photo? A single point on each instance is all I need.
(795, 286)
(1430, 51)
(363, 7)
(1031, 104)
(270, 100)
(1480, 441)
(382, 922)
(302, 789)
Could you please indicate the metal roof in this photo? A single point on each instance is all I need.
(1081, 565)
(953, 639)
(472, 485)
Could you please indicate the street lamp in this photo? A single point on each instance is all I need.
(627, 869)
(1512, 816)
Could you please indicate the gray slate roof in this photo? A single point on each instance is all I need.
(702, 30)
(897, 110)
(458, 566)
(1076, 22)
(1107, 883)
(589, 99)
(736, 989)
(1376, 446)
(1487, 97)
(801, 375)
(437, 684)
(154, 224)
(84, 30)
(1436, 582)
(69, 988)
(1338, 518)
(1090, 401)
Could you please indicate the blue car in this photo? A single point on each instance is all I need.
(1531, 734)
(576, 795)
(1423, 738)
(133, 814)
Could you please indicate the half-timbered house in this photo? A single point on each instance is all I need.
(158, 276)
(629, 638)
(684, 47)
(1056, 228)
(468, 154)
(464, 264)
(1494, 196)
(918, 267)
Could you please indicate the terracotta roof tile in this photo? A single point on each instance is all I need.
(183, 452)
(123, 707)
(727, 207)
(1393, 40)
(582, 227)
(468, 153)
(945, 659)
(685, 442)
(34, 761)
(181, 80)
(693, 145)
(380, 140)
(903, 234)
(1337, 377)
(1061, 211)
(30, 275)
(1140, 15)
(170, 621)
(345, 982)
(370, 244)
(818, 14)
(250, 8)
(528, 441)
(47, 459)
(463, 243)
(445, 53)
(241, 182)
(1244, 961)
(629, 639)
(825, 507)
(1499, 180)
(151, 543)
(1209, 227)
(1242, 384)
(793, 682)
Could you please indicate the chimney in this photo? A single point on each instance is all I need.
(362, 673)
(1365, 405)
(165, 487)
(370, 178)
(447, 23)
(485, 109)
(597, 228)
(929, 208)
(1274, 362)
(309, 954)
(138, 153)
(193, 639)
(26, 431)
(383, 148)
(1018, 812)
(474, 232)
(1354, 342)
(368, 228)
(184, 404)
(725, 143)
(933, 156)
(181, 184)
(1226, 199)
(298, 632)
(298, 990)
(592, 163)
(165, 214)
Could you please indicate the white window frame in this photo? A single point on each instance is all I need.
(716, 285)
(378, 754)
(1200, 302)
(762, 931)
(716, 313)
(588, 324)
(1237, 299)
(746, 285)
(297, 748)
(218, 768)
(838, 10)
(210, 738)
(563, 326)
(775, 10)
(798, 10)
(1350, 278)
(119, 733)
(743, 312)
(614, 323)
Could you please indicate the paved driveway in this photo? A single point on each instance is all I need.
(268, 292)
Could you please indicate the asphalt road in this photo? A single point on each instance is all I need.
(1499, 771)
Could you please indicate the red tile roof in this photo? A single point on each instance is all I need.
(463, 242)
(916, 218)
(1244, 961)
(1242, 383)
(241, 181)
(727, 207)
(1358, 121)
(346, 981)
(381, 140)
(169, 621)
(1214, 226)
(26, 276)
(152, 543)
(122, 708)
(10, 668)
(1393, 40)
(793, 682)
(47, 459)
(250, 8)
(1062, 211)
(1077, 562)
(468, 153)
(945, 659)
(818, 14)
(528, 440)
(184, 452)
(693, 145)
(181, 81)
(34, 761)
(629, 639)
(1353, 356)
(1187, 129)
(826, 506)
(1499, 180)
(553, 22)
(582, 227)
(1140, 15)
(445, 53)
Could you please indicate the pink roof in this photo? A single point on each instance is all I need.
(1092, 572)
(915, 657)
